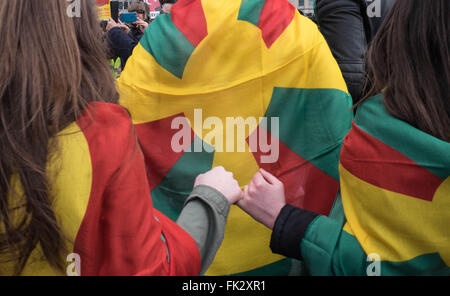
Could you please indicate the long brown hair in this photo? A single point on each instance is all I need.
(409, 61)
(51, 66)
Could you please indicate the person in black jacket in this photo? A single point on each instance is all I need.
(119, 42)
(122, 38)
(349, 26)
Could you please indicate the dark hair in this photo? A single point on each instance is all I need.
(409, 62)
(139, 7)
(52, 66)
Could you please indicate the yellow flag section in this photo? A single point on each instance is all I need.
(100, 199)
(390, 239)
(233, 59)
(395, 186)
(72, 191)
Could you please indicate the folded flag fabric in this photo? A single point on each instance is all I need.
(103, 207)
(254, 63)
(395, 184)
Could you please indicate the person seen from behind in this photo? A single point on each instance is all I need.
(394, 165)
(73, 182)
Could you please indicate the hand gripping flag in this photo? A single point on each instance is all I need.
(214, 61)
(395, 186)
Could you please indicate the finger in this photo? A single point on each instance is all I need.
(258, 179)
(244, 193)
(269, 177)
(251, 188)
(242, 196)
(243, 202)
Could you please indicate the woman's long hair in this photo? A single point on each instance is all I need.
(51, 66)
(409, 61)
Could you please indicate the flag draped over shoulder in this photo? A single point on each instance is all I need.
(103, 208)
(400, 176)
(395, 186)
(238, 59)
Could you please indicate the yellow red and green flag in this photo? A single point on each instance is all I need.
(395, 185)
(239, 59)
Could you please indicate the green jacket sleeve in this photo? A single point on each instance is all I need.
(326, 248)
(320, 241)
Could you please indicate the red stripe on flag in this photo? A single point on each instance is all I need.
(381, 165)
(273, 24)
(119, 234)
(189, 17)
(305, 185)
(155, 138)
(117, 190)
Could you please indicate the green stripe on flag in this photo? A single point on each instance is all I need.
(313, 123)
(427, 264)
(169, 196)
(424, 149)
(329, 250)
(168, 45)
(250, 11)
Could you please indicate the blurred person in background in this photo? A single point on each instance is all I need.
(166, 5)
(123, 38)
(137, 29)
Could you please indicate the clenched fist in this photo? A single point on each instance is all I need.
(223, 181)
(263, 198)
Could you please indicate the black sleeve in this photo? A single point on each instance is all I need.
(342, 24)
(375, 22)
(289, 230)
(121, 44)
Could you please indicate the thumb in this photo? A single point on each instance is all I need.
(269, 177)
(242, 203)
